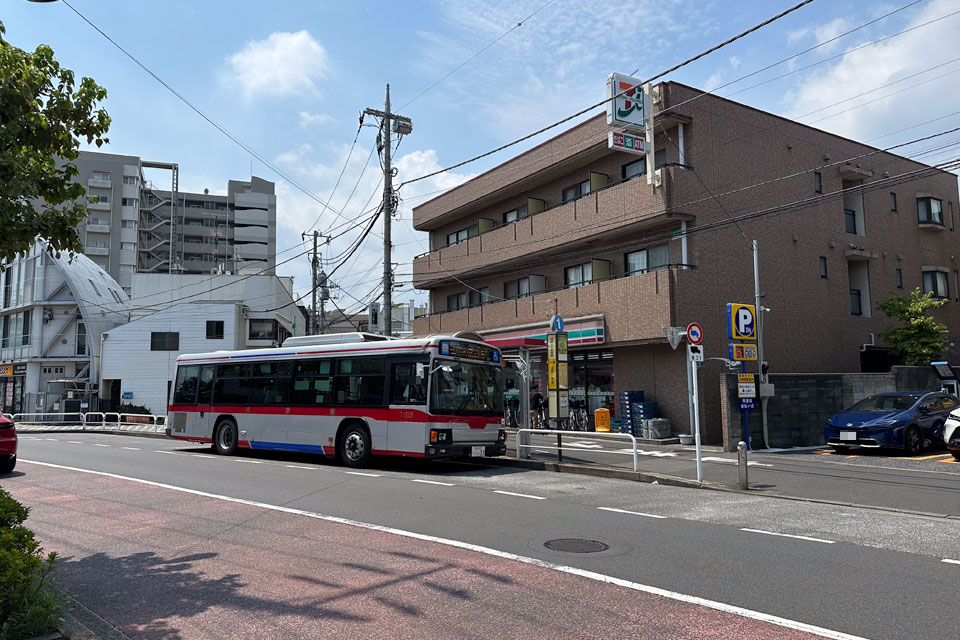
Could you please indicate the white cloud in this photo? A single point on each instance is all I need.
(734, 62)
(880, 64)
(307, 119)
(822, 33)
(283, 64)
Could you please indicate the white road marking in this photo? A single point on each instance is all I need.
(131, 448)
(250, 461)
(732, 461)
(585, 445)
(294, 466)
(361, 473)
(787, 535)
(51, 439)
(97, 444)
(949, 561)
(203, 455)
(162, 451)
(520, 495)
(74, 442)
(632, 513)
(457, 544)
(442, 484)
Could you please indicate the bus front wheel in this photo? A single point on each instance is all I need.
(354, 446)
(225, 438)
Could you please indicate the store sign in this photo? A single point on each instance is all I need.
(6, 370)
(627, 105)
(743, 352)
(626, 142)
(578, 333)
(20, 369)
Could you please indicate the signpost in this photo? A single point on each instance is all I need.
(558, 406)
(747, 397)
(694, 357)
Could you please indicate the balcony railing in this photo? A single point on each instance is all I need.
(636, 307)
(606, 211)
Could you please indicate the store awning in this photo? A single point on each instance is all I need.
(516, 343)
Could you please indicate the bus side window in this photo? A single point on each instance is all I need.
(186, 390)
(406, 387)
(312, 383)
(206, 384)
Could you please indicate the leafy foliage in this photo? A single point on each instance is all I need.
(29, 606)
(921, 338)
(43, 115)
(133, 409)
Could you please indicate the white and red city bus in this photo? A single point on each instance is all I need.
(435, 397)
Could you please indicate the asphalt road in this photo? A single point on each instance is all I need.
(928, 483)
(176, 543)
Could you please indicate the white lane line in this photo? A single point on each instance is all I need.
(202, 455)
(787, 535)
(361, 473)
(131, 448)
(74, 442)
(163, 451)
(442, 484)
(633, 513)
(731, 461)
(520, 495)
(949, 561)
(457, 544)
(96, 444)
(51, 439)
(249, 461)
(296, 466)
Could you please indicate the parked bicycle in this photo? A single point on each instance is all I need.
(579, 418)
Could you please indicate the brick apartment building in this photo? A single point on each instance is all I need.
(570, 227)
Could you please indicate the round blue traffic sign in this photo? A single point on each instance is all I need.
(556, 323)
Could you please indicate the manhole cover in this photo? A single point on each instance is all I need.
(576, 545)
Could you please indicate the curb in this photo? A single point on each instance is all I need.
(141, 434)
(80, 623)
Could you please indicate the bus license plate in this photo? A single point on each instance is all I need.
(478, 452)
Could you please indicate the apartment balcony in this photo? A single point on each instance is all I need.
(98, 228)
(590, 222)
(97, 251)
(633, 308)
(99, 206)
(103, 184)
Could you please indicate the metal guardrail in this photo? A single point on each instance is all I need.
(521, 445)
(90, 421)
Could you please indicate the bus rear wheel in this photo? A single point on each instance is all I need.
(354, 446)
(225, 438)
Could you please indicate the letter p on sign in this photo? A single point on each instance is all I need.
(741, 321)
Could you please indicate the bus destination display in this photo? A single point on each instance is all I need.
(469, 350)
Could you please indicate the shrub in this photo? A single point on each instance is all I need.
(29, 605)
(133, 408)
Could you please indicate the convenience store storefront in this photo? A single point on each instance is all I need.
(11, 387)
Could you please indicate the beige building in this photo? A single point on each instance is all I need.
(573, 228)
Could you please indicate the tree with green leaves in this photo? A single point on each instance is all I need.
(43, 116)
(921, 339)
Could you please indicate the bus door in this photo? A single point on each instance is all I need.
(203, 419)
(408, 406)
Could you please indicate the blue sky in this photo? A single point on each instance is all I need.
(290, 78)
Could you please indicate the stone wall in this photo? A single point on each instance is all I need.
(803, 402)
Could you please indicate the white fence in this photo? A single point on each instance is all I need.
(92, 421)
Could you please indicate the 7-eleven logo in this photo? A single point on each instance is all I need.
(631, 102)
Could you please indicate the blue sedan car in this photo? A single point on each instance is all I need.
(903, 420)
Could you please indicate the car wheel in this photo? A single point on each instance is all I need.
(354, 446)
(225, 440)
(912, 440)
(6, 466)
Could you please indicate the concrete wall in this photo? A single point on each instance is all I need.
(803, 402)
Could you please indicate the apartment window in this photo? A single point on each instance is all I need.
(460, 236)
(81, 339)
(817, 182)
(576, 191)
(479, 296)
(128, 224)
(516, 288)
(127, 268)
(210, 241)
(128, 202)
(209, 222)
(578, 275)
(27, 317)
(456, 301)
(98, 220)
(130, 180)
(936, 282)
(893, 201)
(99, 175)
(164, 341)
(929, 211)
(652, 259)
(214, 329)
(849, 220)
(128, 246)
(823, 266)
(262, 330)
(855, 299)
(104, 199)
(515, 214)
(899, 278)
(96, 244)
(633, 169)
(195, 239)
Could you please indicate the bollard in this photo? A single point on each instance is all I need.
(742, 459)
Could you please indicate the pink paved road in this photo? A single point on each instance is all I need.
(162, 564)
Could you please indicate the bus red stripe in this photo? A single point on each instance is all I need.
(383, 415)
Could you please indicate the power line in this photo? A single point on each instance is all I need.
(606, 100)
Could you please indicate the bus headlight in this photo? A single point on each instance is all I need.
(441, 436)
(502, 435)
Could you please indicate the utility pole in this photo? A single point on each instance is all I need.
(313, 273)
(402, 126)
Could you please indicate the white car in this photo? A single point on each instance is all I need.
(951, 433)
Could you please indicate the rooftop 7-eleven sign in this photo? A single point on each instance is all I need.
(630, 108)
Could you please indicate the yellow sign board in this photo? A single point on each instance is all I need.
(741, 321)
(561, 375)
(6, 370)
(744, 352)
(745, 378)
(551, 375)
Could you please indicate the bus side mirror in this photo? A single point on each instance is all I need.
(421, 369)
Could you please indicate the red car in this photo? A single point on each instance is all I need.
(8, 445)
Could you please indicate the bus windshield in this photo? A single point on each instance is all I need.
(466, 388)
